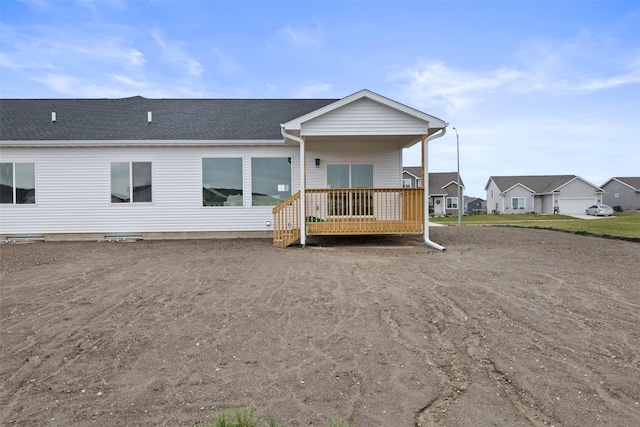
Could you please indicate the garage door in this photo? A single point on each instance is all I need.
(576, 205)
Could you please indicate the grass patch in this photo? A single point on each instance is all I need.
(622, 224)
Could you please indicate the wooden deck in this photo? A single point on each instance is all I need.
(350, 212)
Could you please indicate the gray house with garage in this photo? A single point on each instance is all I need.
(543, 194)
(623, 192)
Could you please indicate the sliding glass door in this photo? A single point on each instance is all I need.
(345, 179)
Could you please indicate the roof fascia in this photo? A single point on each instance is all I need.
(454, 183)
(406, 171)
(621, 182)
(433, 122)
(518, 184)
(486, 187)
(137, 143)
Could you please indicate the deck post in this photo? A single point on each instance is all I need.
(303, 185)
(303, 182)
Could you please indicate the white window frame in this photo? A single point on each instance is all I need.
(524, 203)
(449, 202)
(242, 185)
(406, 181)
(131, 193)
(284, 188)
(14, 184)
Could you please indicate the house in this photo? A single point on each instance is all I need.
(543, 194)
(474, 205)
(173, 168)
(443, 189)
(622, 192)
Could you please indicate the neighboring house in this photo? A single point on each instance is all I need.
(544, 194)
(443, 189)
(412, 177)
(623, 192)
(474, 205)
(173, 168)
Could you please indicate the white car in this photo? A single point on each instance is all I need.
(600, 210)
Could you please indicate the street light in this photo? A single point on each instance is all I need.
(459, 186)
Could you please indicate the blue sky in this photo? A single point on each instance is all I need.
(533, 87)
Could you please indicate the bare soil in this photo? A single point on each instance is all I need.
(508, 327)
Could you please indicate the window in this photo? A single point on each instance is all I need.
(270, 180)
(222, 182)
(419, 183)
(517, 202)
(452, 203)
(131, 175)
(406, 183)
(18, 183)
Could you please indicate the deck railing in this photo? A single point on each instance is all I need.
(286, 222)
(348, 211)
(365, 211)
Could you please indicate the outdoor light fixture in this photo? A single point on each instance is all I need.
(317, 163)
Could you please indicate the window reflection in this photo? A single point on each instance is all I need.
(18, 183)
(270, 180)
(128, 175)
(222, 182)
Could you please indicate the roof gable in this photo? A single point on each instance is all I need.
(534, 183)
(633, 182)
(366, 95)
(538, 184)
(415, 171)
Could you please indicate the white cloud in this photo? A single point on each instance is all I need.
(433, 83)
(126, 80)
(175, 53)
(308, 36)
(112, 86)
(312, 90)
(271, 89)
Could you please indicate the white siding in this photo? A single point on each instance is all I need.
(518, 191)
(364, 117)
(495, 203)
(577, 188)
(73, 191)
(386, 160)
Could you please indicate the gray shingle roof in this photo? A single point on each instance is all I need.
(437, 180)
(537, 183)
(173, 119)
(631, 181)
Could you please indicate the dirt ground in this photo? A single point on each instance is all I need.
(507, 327)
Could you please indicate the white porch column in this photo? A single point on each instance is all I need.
(425, 181)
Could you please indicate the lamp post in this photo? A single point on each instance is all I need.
(458, 183)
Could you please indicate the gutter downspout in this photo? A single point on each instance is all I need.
(425, 180)
(303, 222)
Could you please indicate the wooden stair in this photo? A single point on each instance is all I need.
(286, 222)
